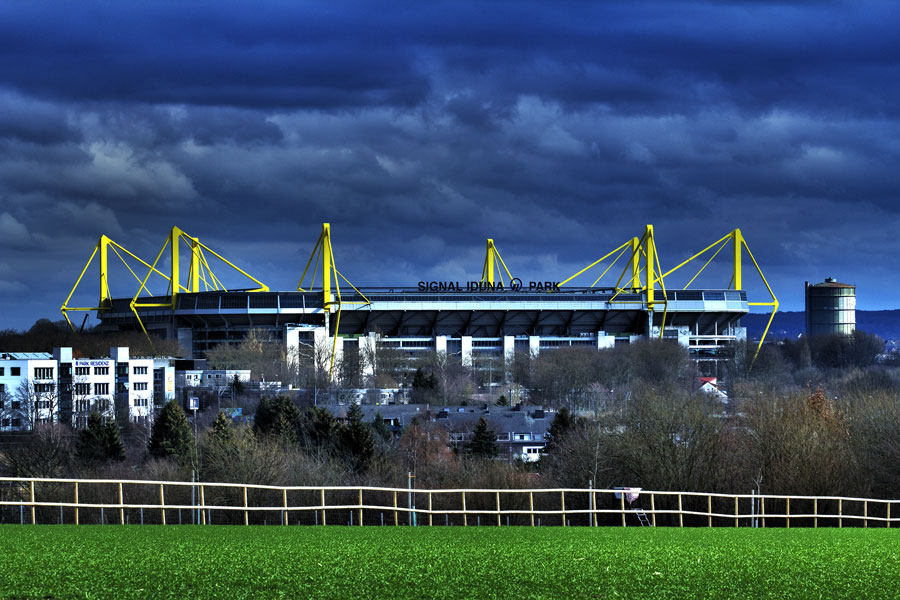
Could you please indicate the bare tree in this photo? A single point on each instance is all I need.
(37, 402)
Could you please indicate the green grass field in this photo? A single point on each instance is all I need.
(511, 563)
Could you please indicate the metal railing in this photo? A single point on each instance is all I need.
(78, 501)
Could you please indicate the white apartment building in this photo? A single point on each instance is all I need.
(219, 379)
(29, 391)
(44, 388)
(134, 386)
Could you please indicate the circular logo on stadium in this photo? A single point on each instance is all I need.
(516, 284)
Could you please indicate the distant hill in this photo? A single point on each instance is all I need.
(884, 323)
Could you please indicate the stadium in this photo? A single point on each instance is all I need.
(495, 316)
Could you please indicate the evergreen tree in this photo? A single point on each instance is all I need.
(484, 441)
(562, 423)
(357, 441)
(424, 386)
(279, 417)
(100, 440)
(171, 435)
(237, 386)
(222, 432)
(320, 430)
(380, 429)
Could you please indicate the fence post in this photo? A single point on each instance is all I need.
(595, 518)
(429, 510)
(76, 503)
(709, 510)
(622, 502)
(284, 502)
(33, 516)
(498, 509)
(680, 513)
(162, 504)
(889, 515)
(787, 513)
(202, 506)
(736, 512)
(360, 506)
(865, 514)
(396, 521)
(465, 520)
(815, 513)
(322, 498)
(840, 512)
(121, 508)
(246, 515)
(653, 508)
(562, 504)
(762, 510)
(531, 506)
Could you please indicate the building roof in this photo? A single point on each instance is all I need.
(26, 356)
(831, 282)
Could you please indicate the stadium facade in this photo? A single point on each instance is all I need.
(495, 316)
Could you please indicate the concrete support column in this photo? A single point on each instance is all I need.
(467, 350)
(605, 341)
(440, 344)
(367, 354)
(509, 356)
(338, 355)
(534, 344)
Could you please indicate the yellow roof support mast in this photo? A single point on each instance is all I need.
(102, 248)
(323, 254)
(199, 272)
(493, 263)
(738, 246)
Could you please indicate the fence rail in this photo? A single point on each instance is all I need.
(39, 500)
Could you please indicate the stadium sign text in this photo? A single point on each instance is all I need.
(483, 286)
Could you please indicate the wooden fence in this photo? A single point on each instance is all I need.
(80, 501)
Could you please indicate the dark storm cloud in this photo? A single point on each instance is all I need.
(558, 129)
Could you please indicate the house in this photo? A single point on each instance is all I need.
(709, 385)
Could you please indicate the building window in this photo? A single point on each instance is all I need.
(82, 389)
(16, 405)
(43, 373)
(15, 371)
(2, 371)
(16, 422)
(101, 370)
(82, 371)
(140, 370)
(43, 388)
(43, 404)
(101, 388)
(2, 387)
(103, 404)
(140, 386)
(6, 422)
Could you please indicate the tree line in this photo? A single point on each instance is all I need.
(794, 423)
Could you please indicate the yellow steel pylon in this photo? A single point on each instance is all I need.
(199, 272)
(324, 254)
(493, 263)
(102, 248)
(643, 247)
(738, 245)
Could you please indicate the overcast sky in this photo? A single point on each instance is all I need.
(420, 129)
